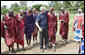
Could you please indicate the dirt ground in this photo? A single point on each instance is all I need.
(70, 48)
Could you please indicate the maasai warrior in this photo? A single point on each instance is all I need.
(19, 30)
(64, 22)
(41, 23)
(29, 26)
(2, 31)
(52, 26)
(22, 16)
(2, 24)
(8, 30)
(35, 31)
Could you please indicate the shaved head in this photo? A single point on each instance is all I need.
(51, 9)
(62, 9)
(21, 12)
(10, 12)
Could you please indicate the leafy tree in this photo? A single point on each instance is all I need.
(82, 5)
(56, 4)
(4, 7)
(37, 6)
(15, 7)
(67, 4)
(77, 5)
(23, 3)
(4, 11)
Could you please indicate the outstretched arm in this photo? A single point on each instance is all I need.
(38, 26)
(36, 22)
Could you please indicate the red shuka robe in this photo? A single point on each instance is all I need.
(52, 26)
(64, 27)
(2, 25)
(19, 31)
(6, 17)
(2, 31)
(22, 21)
(83, 31)
(9, 33)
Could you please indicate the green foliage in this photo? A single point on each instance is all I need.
(37, 6)
(23, 3)
(24, 8)
(67, 4)
(3, 7)
(71, 6)
(82, 5)
(15, 7)
(4, 11)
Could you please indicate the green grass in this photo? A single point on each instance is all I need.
(71, 33)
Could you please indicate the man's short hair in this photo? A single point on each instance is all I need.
(42, 8)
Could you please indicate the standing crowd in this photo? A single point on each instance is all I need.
(30, 22)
